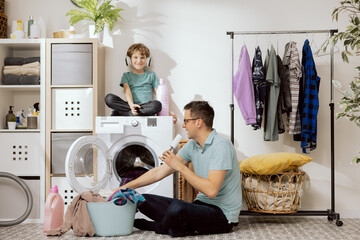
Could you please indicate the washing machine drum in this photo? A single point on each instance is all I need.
(91, 165)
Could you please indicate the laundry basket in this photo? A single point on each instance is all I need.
(277, 193)
(110, 219)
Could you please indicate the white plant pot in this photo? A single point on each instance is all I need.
(12, 125)
(97, 35)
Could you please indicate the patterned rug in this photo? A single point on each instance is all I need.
(276, 228)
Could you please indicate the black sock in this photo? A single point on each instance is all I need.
(144, 224)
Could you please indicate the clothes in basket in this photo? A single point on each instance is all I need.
(122, 195)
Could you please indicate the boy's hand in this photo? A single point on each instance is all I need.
(134, 108)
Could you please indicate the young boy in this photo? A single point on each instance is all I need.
(139, 86)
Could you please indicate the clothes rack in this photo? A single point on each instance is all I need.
(330, 213)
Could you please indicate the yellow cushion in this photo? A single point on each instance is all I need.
(271, 163)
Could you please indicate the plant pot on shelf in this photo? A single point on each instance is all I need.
(96, 35)
(11, 125)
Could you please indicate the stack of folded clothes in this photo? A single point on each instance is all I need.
(22, 71)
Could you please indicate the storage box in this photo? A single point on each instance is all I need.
(20, 153)
(72, 108)
(109, 219)
(60, 144)
(71, 64)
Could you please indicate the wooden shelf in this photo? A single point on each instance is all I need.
(19, 130)
(71, 130)
(21, 87)
(71, 86)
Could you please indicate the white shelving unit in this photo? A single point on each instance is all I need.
(75, 72)
(23, 150)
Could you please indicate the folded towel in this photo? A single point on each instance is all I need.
(28, 65)
(122, 195)
(22, 71)
(30, 80)
(20, 60)
(11, 79)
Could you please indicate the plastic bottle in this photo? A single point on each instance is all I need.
(8, 116)
(54, 210)
(35, 30)
(19, 33)
(163, 96)
(30, 22)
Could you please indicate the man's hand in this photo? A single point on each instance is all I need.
(134, 108)
(171, 160)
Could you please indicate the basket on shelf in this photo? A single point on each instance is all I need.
(63, 34)
(2, 6)
(277, 193)
(3, 25)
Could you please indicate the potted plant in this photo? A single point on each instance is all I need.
(97, 12)
(12, 123)
(350, 38)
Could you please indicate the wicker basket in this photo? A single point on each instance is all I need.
(2, 6)
(278, 193)
(3, 25)
(185, 191)
(63, 34)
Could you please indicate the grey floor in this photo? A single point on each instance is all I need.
(276, 228)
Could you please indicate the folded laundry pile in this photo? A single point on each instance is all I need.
(21, 71)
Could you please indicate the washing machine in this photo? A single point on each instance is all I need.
(123, 149)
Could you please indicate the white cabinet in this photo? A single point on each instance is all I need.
(23, 150)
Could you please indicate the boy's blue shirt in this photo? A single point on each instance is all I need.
(141, 85)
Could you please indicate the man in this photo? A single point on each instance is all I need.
(216, 177)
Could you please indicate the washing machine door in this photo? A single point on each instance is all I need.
(82, 161)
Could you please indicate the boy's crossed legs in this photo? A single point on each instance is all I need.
(121, 108)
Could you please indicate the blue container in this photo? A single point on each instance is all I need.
(110, 219)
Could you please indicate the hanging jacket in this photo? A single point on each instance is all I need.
(281, 73)
(291, 61)
(258, 77)
(243, 88)
(311, 101)
(272, 77)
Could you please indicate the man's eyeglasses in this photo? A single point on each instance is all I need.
(189, 119)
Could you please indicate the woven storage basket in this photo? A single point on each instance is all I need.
(183, 185)
(2, 6)
(278, 193)
(3, 25)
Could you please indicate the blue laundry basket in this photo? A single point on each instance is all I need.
(110, 219)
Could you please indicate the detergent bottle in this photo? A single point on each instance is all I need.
(54, 210)
(162, 95)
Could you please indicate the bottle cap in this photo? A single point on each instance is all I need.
(54, 189)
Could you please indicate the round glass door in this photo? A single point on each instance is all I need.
(82, 162)
(133, 160)
(132, 156)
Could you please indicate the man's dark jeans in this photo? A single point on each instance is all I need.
(179, 218)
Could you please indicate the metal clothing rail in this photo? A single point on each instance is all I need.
(330, 213)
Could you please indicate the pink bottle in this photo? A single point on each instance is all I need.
(54, 210)
(162, 95)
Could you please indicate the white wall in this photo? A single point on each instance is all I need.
(191, 50)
